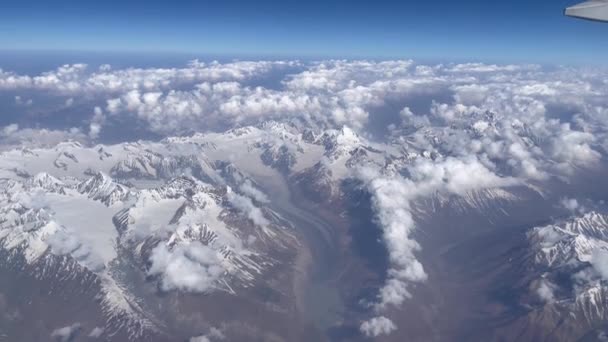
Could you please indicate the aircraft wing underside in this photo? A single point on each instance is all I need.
(592, 10)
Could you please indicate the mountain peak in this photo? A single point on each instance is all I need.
(102, 187)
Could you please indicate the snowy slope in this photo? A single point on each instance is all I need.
(188, 213)
(142, 199)
(567, 257)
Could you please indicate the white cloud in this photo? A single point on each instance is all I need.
(77, 79)
(546, 291)
(246, 205)
(10, 129)
(23, 102)
(191, 267)
(341, 74)
(67, 333)
(201, 338)
(96, 123)
(470, 94)
(391, 200)
(214, 334)
(570, 204)
(248, 189)
(571, 148)
(489, 68)
(378, 326)
(330, 94)
(96, 332)
(410, 119)
(454, 175)
(599, 261)
(64, 242)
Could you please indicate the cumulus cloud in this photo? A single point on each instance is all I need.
(64, 242)
(392, 198)
(510, 105)
(207, 95)
(409, 119)
(377, 326)
(570, 204)
(454, 175)
(573, 148)
(468, 147)
(211, 105)
(191, 267)
(78, 79)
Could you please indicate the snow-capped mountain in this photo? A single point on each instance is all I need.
(565, 276)
(161, 228)
(102, 188)
(570, 243)
(83, 223)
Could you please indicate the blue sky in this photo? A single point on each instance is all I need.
(501, 31)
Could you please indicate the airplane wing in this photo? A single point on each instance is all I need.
(591, 10)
